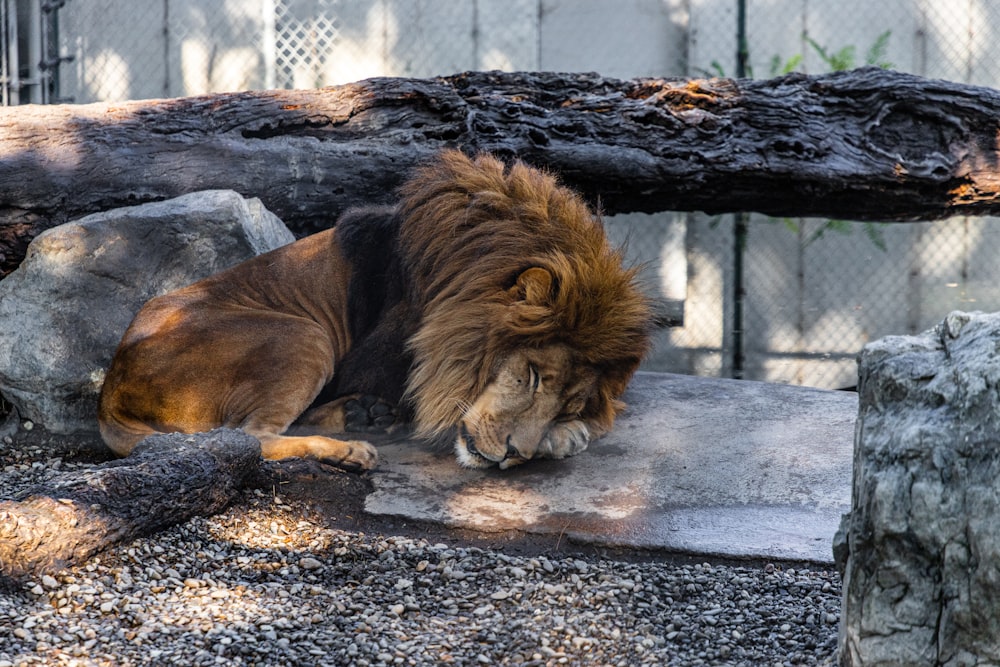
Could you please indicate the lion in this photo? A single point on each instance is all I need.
(487, 308)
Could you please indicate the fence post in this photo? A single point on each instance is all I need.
(739, 219)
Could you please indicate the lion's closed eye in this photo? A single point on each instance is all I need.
(527, 380)
(534, 379)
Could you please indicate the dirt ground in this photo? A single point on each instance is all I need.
(332, 496)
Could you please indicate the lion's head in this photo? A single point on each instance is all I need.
(531, 328)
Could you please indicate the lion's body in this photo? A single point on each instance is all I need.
(482, 282)
(232, 350)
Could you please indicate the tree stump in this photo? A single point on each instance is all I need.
(920, 549)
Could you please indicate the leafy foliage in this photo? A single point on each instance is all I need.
(876, 53)
(789, 66)
(873, 230)
(844, 59)
(837, 61)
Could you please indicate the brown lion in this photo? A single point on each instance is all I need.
(487, 307)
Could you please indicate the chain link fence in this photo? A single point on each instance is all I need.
(814, 291)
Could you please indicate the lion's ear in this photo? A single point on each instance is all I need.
(533, 286)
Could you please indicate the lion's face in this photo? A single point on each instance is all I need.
(530, 409)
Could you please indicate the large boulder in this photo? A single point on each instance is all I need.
(920, 550)
(64, 309)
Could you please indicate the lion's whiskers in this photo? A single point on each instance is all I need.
(472, 416)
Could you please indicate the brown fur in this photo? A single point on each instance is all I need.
(248, 348)
(489, 278)
(470, 229)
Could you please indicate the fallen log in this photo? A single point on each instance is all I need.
(868, 144)
(166, 480)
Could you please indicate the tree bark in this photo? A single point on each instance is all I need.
(166, 480)
(867, 144)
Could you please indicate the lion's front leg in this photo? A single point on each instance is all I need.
(353, 455)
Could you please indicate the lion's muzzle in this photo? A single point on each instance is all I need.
(470, 455)
(469, 440)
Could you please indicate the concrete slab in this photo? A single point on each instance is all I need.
(695, 465)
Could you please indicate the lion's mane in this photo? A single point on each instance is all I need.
(469, 228)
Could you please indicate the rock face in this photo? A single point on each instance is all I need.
(920, 550)
(63, 311)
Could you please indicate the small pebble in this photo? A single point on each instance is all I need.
(309, 563)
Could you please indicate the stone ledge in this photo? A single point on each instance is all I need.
(695, 465)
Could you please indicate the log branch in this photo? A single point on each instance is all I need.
(867, 144)
(166, 480)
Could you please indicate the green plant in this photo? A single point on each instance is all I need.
(716, 69)
(778, 68)
(844, 58)
(873, 230)
(876, 53)
(837, 61)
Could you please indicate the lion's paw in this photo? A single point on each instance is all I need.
(353, 455)
(368, 414)
(357, 413)
(564, 439)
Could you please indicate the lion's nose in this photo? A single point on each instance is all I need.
(512, 452)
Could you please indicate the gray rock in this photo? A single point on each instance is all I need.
(922, 541)
(63, 311)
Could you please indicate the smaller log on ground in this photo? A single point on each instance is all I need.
(166, 480)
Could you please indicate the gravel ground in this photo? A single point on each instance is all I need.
(275, 580)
